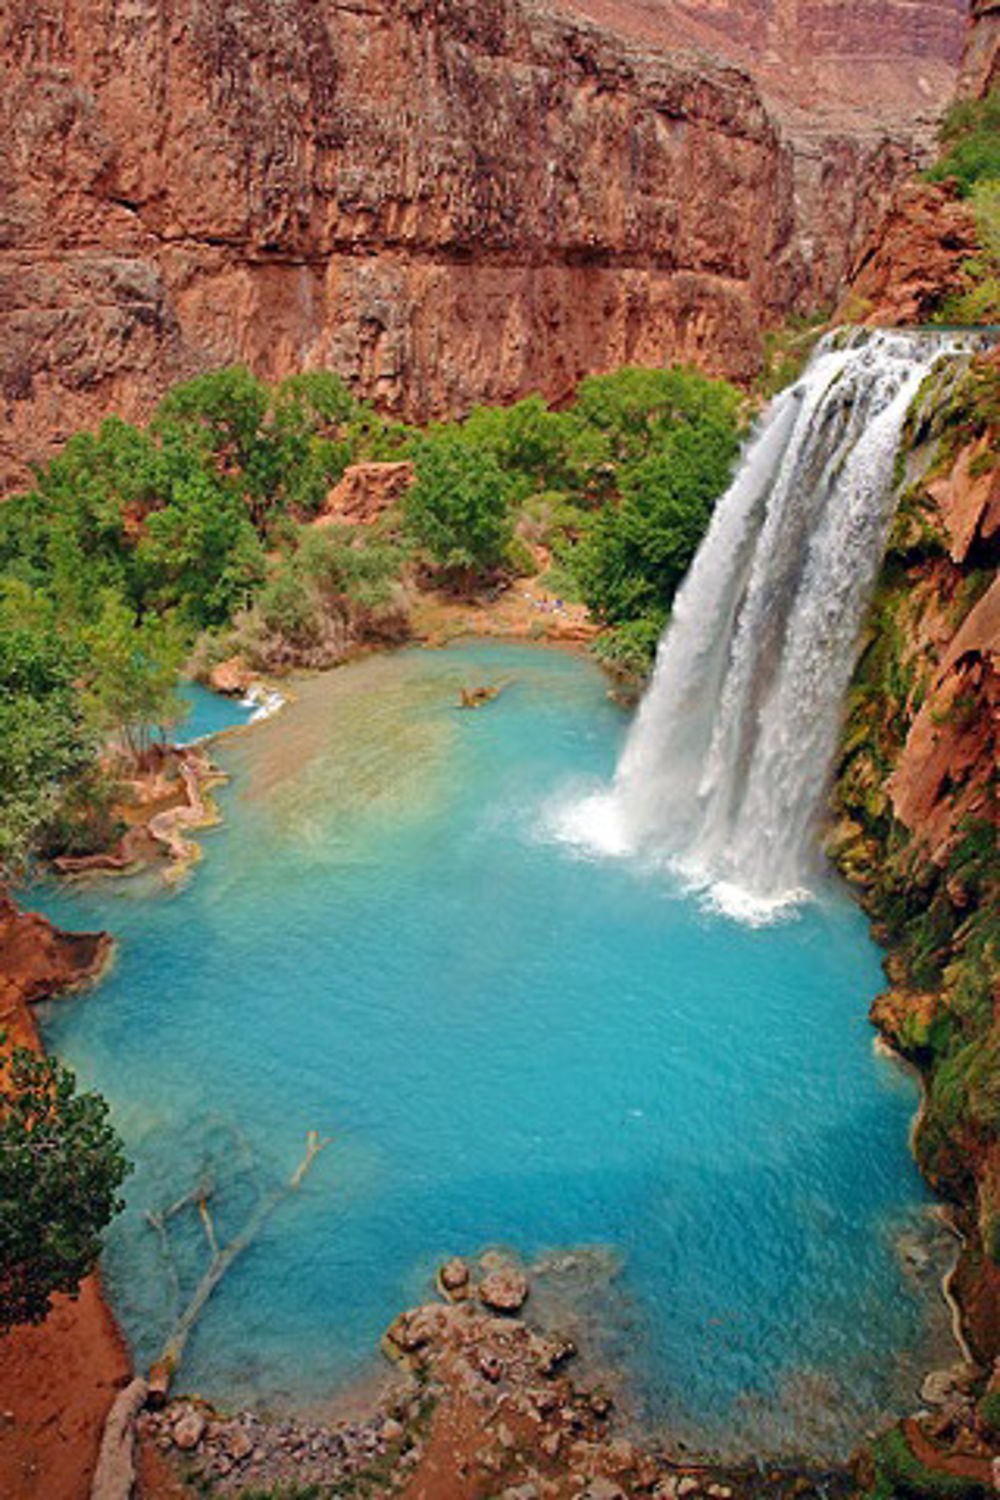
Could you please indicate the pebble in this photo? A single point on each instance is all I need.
(603, 1488)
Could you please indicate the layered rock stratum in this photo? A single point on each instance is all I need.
(446, 202)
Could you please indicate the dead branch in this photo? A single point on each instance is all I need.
(222, 1257)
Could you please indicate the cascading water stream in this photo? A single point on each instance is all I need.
(725, 768)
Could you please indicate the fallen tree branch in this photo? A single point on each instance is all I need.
(221, 1257)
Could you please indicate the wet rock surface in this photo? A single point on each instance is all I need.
(485, 1405)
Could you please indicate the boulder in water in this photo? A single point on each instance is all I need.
(476, 697)
(454, 1280)
(189, 1429)
(504, 1290)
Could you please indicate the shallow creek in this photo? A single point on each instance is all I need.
(510, 1043)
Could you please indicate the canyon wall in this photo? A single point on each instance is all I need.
(918, 798)
(981, 62)
(444, 202)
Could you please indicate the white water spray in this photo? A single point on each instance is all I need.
(726, 766)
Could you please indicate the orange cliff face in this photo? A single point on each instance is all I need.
(445, 203)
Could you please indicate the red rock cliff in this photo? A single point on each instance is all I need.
(981, 62)
(444, 201)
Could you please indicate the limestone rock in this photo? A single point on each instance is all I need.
(453, 1280)
(602, 1488)
(239, 1444)
(189, 1429)
(504, 1290)
(232, 678)
(366, 492)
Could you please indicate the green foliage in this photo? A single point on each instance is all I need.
(631, 557)
(629, 649)
(61, 1168)
(132, 675)
(340, 583)
(199, 554)
(899, 1475)
(635, 409)
(458, 511)
(43, 743)
(988, 1414)
(971, 135)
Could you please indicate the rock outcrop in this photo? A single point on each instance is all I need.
(981, 62)
(446, 203)
(913, 259)
(37, 961)
(918, 792)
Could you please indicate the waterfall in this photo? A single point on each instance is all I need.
(726, 766)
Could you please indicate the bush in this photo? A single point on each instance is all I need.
(458, 511)
(899, 1473)
(339, 588)
(970, 133)
(630, 650)
(61, 1166)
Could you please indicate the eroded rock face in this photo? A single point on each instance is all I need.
(981, 62)
(446, 203)
(913, 259)
(37, 961)
(944, 777)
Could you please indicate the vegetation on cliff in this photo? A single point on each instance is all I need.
(918, 798)
(970, 158)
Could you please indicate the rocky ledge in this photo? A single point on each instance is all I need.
(484, 1404)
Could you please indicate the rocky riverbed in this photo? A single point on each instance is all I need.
(486, 1403)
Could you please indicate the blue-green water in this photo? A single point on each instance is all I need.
(509, 1044)
(209, 714)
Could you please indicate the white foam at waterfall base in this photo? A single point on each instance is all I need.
(725, 770)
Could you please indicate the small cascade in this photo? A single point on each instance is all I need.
(725, 769)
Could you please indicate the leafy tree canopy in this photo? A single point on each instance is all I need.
(61, 1168)
(458, 510)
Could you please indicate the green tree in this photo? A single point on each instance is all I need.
(61, 1168)
(43, 742)
(131, 691)
(632, 556)
(200, 554)
(458, 510)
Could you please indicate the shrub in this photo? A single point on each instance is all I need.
(61, 1166)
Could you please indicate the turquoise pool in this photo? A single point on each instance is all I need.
(509, 1044)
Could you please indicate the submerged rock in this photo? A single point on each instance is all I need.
(504, 1290)
(454, 1280)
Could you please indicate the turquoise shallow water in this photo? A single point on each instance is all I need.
(209, 714)
(509, 1044)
